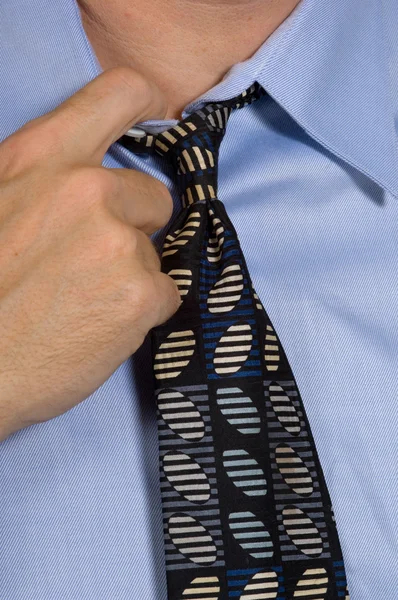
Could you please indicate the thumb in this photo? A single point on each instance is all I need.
(166, 289)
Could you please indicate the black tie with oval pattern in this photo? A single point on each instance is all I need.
(247, 514)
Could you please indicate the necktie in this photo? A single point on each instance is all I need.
(247, 513)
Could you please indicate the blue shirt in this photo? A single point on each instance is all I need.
(309, 176)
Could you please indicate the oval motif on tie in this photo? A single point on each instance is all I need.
(179, 238)
(233, 349)
(302, 531)
(192, 539)
(183, 279)
(181, 415)
(202, 588)
(258, 301)
(271, 349)
(293, 470)
(227, 291)
(245, 472)
(312, 584)
(239, 410)
(251, 534)
(261, 585)
(216, 239)
(284, 409)
(174, 354)
(186, 476)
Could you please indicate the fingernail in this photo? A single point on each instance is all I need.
(135, 132)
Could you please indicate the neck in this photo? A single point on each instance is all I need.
(185, 46)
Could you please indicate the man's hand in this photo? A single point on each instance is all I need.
(80, 281)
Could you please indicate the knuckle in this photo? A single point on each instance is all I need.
(165, 194)
(160, 291)
(116, 242)
(174, 295)
(146, 250)
(23, 149)
(92, 184)
(149, 298)
(130, 79)
(141, 294)
(145, 93)
(164, 206)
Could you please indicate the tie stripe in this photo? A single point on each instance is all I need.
(313, 585)
(181, 237)
(230, 355)
(227, 291)
(181, 415)
(302, 531)
(169, 362)
(183, 279)
(251, 535)
(192, 539)
(271, 350)
(294, 471)
(216, 241)
(166, 140)
(244, 471)
(202, 588)
(195, 159)
(238, 409)
(285, 410)
(186, 476)
(262, 586)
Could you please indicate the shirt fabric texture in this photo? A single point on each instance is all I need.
(315, 205)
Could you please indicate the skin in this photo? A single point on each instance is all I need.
(185, 46)
(80, 280)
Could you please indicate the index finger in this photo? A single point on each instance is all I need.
(102, 111)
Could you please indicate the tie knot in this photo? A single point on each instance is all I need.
(192, 145)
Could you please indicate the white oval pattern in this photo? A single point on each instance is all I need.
(186, 476)
(313, 584)
(251, 534)
(271, 350)
(284, 409)
(183, 279)
(262, 586)
(227, 291)
(180, 237)
(302, 531)
(192, 539)
(174, 354)
(202, 588)
(293, 470)
(233, 349)
(239, 410)
(258, 301)
(245, 472)
(181, 415)
(216, 241)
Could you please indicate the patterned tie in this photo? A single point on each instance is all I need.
(247, 513)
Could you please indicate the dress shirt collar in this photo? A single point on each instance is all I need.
(330, 72)
(327, 65)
